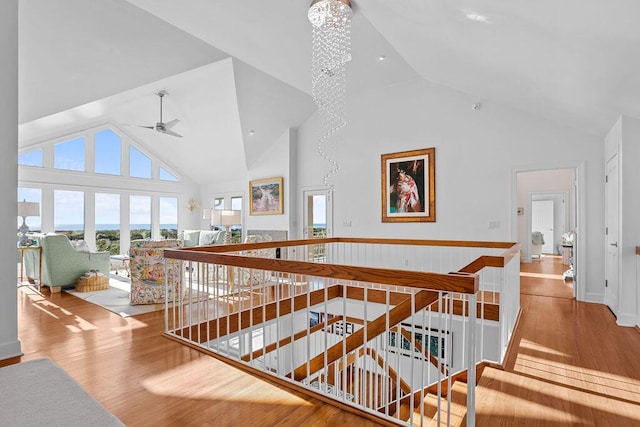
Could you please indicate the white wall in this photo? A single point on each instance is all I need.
(476, 152)
(9, 343)
(274, 162)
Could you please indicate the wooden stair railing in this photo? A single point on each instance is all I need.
(434, 360)
(287, 340)
(351, 358)
(374, 328)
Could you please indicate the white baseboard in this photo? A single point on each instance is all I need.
(10, 349)
(595, 297)
(626, 319)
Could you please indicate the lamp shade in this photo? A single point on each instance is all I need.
(226, 217)
(26, 209)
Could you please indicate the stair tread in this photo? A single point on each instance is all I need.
(457, 409)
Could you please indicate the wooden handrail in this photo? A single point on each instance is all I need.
(404, 386)
(426, 351)
(453, 282)
(378, 241)
(287, 340)
(374, 328)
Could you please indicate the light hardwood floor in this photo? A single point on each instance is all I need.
(571, 366)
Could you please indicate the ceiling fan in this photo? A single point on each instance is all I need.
(161, 126)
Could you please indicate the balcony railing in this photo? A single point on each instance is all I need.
(379, 326)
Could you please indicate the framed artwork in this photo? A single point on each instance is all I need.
(314, 318)
(266, 196)
(409, 186)
(440, 342)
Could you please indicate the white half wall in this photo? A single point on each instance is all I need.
(476, 152)
(9, 343)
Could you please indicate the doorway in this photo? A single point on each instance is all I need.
(547, 200)
(317, 213)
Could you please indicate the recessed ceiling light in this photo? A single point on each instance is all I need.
(381, 58)
(473, 16)
(251, 132)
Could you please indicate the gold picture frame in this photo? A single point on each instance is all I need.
(266, 196)
(409, 186)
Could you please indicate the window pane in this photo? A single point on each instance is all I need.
(218, 203)
(31, 158)
(139, 164)
(69, 155)
(31, 195)
(107, 155)
(236, 203)
(68, 208)
(166, 176)
(236, 230)
(169, 217)
(108, 223)
(140, 217)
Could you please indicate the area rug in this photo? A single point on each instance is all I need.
(39, 393)
(116, 299)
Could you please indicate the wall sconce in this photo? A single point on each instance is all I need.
(193, 205)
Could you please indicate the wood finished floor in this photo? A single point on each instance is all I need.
(571, 366)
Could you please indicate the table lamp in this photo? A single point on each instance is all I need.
(225, 219)
(26, 209)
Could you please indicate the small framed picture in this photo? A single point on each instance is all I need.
(266, 196)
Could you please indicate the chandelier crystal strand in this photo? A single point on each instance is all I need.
(331, 21)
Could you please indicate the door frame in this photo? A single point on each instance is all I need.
(618, 265)
(317, 191)
(531, 195)
(579, 291)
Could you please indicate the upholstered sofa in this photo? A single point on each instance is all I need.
(148, 276)
(62, 264)
(193, 238)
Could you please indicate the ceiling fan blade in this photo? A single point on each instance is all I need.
(172, 133)
(171, 124)
(138, 126)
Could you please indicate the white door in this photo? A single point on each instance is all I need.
(542, 221)
(317, 221)
(317, 213)
(612, 267)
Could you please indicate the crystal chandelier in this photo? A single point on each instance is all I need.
(331, 21)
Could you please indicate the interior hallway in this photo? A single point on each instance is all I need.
(570, 364)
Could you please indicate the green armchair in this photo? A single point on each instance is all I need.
(62, 264)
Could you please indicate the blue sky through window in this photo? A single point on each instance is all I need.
(69, 155)
(166, 175)
(140, 211)
(68, 209)
(107, 152)
(107, 211)
(168, 210)
(139, 164)
(31, 158)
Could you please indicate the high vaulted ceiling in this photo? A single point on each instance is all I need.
(90, 61)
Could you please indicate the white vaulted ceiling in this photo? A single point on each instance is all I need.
(235, 66)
